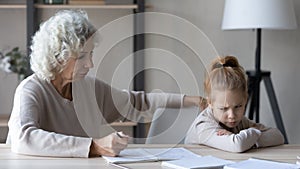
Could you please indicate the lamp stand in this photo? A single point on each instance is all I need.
(255, 77)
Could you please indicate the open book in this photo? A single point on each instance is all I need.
(197, 163)
(259, 163)
(150, 155)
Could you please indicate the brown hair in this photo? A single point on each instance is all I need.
(225, 73)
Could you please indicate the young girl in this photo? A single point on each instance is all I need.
(222, 124)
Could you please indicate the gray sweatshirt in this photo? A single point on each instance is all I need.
(246, 135)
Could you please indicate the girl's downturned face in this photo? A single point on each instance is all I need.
(228, 106)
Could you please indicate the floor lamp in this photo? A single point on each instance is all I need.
(258, 15)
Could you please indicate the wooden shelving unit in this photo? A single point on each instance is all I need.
(138, 6)
(4, 120)
(124, 124)
(31, 6)
(3, 127)
(12, 6)
(45, 6)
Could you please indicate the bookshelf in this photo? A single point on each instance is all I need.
(3, 127)
(138, 6)
(66, 6)
(12, 6)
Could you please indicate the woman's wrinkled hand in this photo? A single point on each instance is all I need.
(198, 101)
(110, 145)
(203, 103)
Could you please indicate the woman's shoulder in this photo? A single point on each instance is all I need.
(33, 87)
(31, 82)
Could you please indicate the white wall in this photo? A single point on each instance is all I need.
(12, 33)
(280, 55)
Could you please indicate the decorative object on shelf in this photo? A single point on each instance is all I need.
(258, 15)
(86, 2)
(118, 2)
(15, 61)
(55, 1)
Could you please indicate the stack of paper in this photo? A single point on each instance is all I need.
(252, 163)
(150, 154)
(182, 158)
(198, 162)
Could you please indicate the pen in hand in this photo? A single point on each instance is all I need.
(123, 139)
(121, 135)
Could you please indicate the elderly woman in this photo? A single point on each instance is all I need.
(54, 112)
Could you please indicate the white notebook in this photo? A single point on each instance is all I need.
(252, 163)
(150, 155)
(197, 163)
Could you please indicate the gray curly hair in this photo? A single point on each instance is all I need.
(59, 38)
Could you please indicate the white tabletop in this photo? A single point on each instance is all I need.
(284, 153)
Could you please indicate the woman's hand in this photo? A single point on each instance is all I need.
(110, 145)
(195, 101)
(222, 132)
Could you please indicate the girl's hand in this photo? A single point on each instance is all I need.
(222, 132)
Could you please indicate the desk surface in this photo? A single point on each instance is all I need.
(284, 153)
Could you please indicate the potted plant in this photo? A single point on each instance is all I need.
(15, 61)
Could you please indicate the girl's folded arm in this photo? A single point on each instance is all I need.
(240, 142)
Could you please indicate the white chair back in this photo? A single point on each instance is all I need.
(170, 125)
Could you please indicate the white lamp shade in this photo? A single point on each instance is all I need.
(265, 14)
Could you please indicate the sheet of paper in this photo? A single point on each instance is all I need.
(259, 163)
(150, 154)
(199, 162)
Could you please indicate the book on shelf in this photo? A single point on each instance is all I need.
(260, 163)
(150, 155)
(119, 2)
(197, 163)
(55, 1)
(86, 2)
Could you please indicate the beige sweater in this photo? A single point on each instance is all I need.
(204, 131)
(44, 123)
